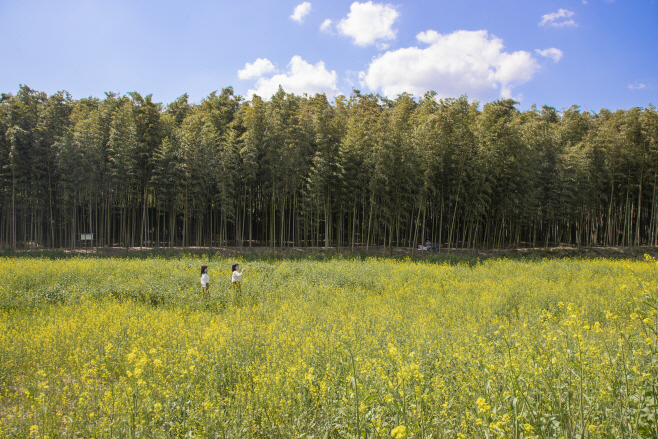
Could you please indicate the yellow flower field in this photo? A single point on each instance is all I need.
(111, 347)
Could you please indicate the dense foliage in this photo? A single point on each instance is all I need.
(299, 170)
(105, 347)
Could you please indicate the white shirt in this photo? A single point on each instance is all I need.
(205, 279)
(237, 276)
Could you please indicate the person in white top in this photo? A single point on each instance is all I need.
(205, 281)
(236, 278)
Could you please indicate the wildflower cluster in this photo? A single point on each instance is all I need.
(376, 348)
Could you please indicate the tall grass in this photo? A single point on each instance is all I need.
(114, 347)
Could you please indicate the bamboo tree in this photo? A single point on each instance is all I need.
(300, 170)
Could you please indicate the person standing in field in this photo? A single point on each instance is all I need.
(205, 281)
(236, 278)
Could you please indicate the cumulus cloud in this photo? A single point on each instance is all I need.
(259, 67)
(552, 52)
(368, 23)
(300, 11)
(469, 62)
(300, 78)
(637, 86)
(558, 19)
(326, 25)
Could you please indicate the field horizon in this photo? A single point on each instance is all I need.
(265, 251)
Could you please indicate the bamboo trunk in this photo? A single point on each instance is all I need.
(639, 210)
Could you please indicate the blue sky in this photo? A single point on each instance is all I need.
(594, 53)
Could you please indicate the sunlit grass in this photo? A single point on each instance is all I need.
(106, 347)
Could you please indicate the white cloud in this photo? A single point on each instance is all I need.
(369, 22)
(326, 25)
(301, 10)
(558, 19)
(565, 23)
(300, 78)
(637, 86)
(552, 52)
(260, 67)
(351, 77)
(469, 62)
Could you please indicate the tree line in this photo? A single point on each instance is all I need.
(361, 171)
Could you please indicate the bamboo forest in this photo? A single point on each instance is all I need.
(308, 171)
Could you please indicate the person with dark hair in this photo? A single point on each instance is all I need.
(205, 281)
(236, 278)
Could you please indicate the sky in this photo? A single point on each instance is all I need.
(595, 53)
